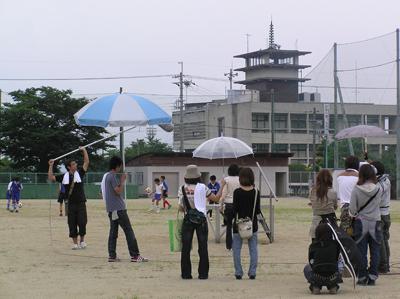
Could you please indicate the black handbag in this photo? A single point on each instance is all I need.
(194, 216)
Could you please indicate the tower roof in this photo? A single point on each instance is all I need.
(273, 53)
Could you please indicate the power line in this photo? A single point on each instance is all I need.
(87, 78)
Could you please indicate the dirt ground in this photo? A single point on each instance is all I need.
(37, 262)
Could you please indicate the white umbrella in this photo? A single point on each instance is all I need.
(222, 148)
(361, 131)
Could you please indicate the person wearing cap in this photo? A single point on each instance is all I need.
(193, 195)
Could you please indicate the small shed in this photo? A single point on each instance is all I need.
(145, 168)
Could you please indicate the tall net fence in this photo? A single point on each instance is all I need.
(36, 185)
(366, 71)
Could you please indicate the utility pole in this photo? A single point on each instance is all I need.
(398, 114)
(272, 121)
(230, 76)
(314, 121)
(0, 97)
(180, 84)
(335, 142)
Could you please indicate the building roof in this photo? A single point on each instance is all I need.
(273, 53)
(184, 159)
(267, 66)
(271, 79)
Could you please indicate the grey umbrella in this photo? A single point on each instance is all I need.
(361, 131)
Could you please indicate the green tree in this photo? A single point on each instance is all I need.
(142, 146)
(39, 125)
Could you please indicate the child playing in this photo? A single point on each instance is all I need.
(155, 202)
(16, 188)
(165, 192)
(8, 193)
(323, 255)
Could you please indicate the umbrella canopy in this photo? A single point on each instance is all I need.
(361, 131)
(222, 148)
(120, 110)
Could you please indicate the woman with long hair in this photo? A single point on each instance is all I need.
(367, 231)
(323, 200)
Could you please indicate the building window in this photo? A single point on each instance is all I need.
(281, 148)
(299, 150)
(260, 122)
(221, 126)
(260, 147)
(281, 122)
(298, 123)
(139, 178)
(354, 120)
(373, 120)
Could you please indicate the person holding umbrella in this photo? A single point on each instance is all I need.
(73, 182)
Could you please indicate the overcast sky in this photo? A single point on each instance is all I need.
(94, 38)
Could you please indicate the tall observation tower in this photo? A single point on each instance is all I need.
(273, 70)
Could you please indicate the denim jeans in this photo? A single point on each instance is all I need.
(253, 251)
(365, 240)
(229, 223)
(124, 222)
(385, 249)
(188, 230)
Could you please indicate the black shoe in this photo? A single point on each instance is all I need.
(362, 282)
(203, 277)
(238, 277)
(371, 282)
(252, 277)
(187, 277)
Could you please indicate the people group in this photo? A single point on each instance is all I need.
(363, 195)
(13, 195)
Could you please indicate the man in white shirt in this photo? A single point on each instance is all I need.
(346, 181)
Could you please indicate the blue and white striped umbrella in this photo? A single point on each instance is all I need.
(120, 110)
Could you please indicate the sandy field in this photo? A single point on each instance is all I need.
(37, 262)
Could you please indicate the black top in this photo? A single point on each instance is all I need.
(323, 257)
(78, 193)
(243, 204)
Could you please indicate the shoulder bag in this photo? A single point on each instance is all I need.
(245, 225)
(194, 216)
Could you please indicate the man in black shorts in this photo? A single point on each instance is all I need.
(73, 182)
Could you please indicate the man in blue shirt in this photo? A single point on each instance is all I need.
(214, 186)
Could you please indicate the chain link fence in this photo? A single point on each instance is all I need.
(36, 185)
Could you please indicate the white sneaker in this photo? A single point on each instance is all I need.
(83, 245)
(158, 210)
(75, 247)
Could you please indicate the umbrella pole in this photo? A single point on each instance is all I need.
(90, 144)
(121, 147)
